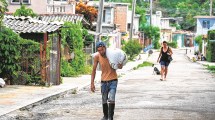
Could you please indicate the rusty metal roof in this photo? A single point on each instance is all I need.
(30, 25)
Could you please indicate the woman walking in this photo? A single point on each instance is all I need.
(164, 60)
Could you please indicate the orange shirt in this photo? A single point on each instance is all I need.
(108, 73)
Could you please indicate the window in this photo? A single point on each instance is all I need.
(25, 1)
(20, 1)
(104, 16)
(206, 24)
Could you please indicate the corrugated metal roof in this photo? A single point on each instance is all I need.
(62, 18)
(30, 25)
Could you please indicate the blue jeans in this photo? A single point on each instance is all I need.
(164, 64)
(108, 90)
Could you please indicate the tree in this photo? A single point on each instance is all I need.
(186, 9)
(3, 9)
(152, 33)
(90, 13)
(23, 11)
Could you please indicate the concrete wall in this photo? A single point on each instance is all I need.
(203, 31)
(44, 7)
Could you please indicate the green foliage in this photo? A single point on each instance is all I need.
(211, 68)
(210, 54)
(132, 48)
(198, 40)
(14, 52)
(72, 35)
(30, 52)
(145, 63)
(3, 9)
(178, 27)
(152, 33)
(23, 11)
(173, 44)
(88, 39)
(67, 70)
(186, 9)
(211, 35)
(10, 53)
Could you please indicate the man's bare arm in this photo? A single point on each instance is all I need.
(93, 75)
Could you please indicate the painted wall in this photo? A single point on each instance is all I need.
(44, 7)
(203, 31)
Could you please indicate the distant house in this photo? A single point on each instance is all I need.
(135, 22)
(114, 21)
(44, 6)
(164, 24)
(183, 38)
(114, 15)
(204, 24)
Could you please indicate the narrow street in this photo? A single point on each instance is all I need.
(188, 94)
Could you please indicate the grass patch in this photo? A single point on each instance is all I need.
(211, 68)
(144, 64)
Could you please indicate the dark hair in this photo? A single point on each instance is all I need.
(164, 42)
(100, 44)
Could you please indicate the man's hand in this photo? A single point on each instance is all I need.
(92, 87)
(120, 66)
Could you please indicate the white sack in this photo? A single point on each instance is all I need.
(116, 56)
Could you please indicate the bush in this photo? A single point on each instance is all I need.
(173, 44)
(10, 53)
(15, 53)
(210, 54)
(132, 48)
(72, 36)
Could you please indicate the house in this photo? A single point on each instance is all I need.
(204, 24)
(46, 31)
(135, 23)
(164, 24)
(41, 32)
(45, 6)
(183, 38)
(114, 21)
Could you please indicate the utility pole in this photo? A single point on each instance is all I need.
(99, 20)
(132, 19)
(150, 12)
(211, 4)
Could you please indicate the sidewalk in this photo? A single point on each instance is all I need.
(191, 56)
(14, 97)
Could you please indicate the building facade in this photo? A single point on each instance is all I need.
(44, 6)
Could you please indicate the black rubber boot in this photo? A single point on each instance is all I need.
(105, 111)
(111, 111)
